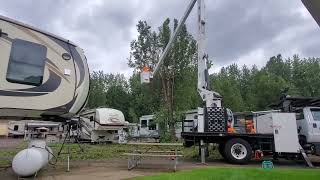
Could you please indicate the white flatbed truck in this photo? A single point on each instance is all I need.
(293, 132)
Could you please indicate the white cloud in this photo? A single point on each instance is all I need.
(242, 32)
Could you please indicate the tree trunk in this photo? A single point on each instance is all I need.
(170, 108)
(167, 85)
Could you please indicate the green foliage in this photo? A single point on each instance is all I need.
(109, 90)
(170, 83)
(255, 89)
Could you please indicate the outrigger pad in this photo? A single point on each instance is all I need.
(216, 120)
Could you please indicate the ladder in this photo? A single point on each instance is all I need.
(305, 157)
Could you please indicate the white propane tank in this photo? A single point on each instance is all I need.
(29, 161)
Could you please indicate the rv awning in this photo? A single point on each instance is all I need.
(42, 124)
(110, 127)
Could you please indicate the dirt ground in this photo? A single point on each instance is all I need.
(9, 143)
(117, 169)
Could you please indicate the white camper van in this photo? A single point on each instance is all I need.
(41, 75)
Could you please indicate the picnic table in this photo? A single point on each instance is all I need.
(144, 150)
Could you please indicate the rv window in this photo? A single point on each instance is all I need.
(144, 123)
(15, 127)
(26, 63)
(152, 125)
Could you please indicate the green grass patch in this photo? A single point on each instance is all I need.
(238, 174)
(5, 163)
(115, 151)
(98, 152)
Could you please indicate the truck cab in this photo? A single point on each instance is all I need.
(308, 124)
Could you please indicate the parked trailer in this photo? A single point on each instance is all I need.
(102, 125)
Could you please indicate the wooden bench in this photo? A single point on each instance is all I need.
(134, 158)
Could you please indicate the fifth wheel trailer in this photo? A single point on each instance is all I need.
(102, 125)
(42, 76)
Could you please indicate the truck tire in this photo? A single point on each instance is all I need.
(221, 150)
(238, 151)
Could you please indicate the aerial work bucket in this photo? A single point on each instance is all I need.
(145, 75)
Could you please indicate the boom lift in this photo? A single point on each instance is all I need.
(211, 98)
(274, 133)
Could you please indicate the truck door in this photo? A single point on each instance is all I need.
(315, 121)
(302, 123)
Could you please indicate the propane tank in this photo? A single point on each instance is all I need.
(29, 161)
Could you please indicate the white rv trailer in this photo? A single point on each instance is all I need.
(103, 125)
(16, 128)
(41, 75)
(29, 129)
(148, 128)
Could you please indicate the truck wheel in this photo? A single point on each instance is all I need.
(238, 151)
(221, 150)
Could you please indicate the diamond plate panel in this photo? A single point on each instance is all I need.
(216, 121)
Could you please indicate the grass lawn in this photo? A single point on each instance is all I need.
(95, 152)
(238, 174)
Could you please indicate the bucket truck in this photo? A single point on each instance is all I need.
(275, 132)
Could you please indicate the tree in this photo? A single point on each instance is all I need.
(97, 96)
(146, 49)
(109, 90)
(145, 99)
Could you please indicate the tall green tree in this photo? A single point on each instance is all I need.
(109, 90)
(146, 49)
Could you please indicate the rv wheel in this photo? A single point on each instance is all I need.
(238, 151)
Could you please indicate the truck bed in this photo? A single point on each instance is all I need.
(211, 137)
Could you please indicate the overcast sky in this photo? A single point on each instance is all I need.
(239, 31)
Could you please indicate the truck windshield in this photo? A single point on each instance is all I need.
(316, 114)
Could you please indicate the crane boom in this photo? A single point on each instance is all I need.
(210, 97)
(174, 36)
